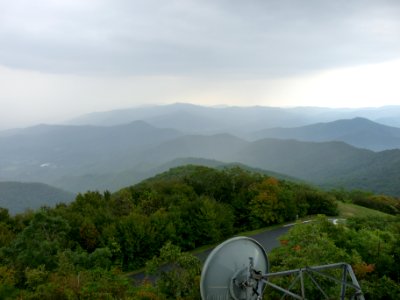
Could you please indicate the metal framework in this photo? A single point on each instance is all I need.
(238, 269)
(256, 282)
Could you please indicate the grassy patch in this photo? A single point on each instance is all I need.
(347, 210)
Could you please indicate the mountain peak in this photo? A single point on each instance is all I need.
(359, 132)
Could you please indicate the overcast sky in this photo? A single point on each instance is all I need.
(62, 58)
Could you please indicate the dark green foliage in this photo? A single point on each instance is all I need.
(373, 253)
(381, 288)
(205, 221)
(136, 240)
(7, 233)
(38, 243)
(181, 281)
(321, 203)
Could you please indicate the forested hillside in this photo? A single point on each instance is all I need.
(81, 249)
(328, 164)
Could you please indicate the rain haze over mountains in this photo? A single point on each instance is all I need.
(61, 59)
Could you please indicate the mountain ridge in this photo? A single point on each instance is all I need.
(20, 196)
(253, 117)
(358, 132)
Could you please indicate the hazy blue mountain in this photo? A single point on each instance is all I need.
(116, 181)
(390, 121)
(82, 157)
(44, 152)
(324, 163)
(18, 196)
(217, 147)
(358, 132)
(387, 115)
(191, 122)
(196, 119)
(234, 120)
(332, 164)
(313, 161)
(123, 116)
(381, 174)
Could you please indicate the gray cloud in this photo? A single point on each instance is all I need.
(256, 38)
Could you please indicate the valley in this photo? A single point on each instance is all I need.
(93, 152)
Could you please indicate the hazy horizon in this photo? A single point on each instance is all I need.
(62, 59)
(67, 120)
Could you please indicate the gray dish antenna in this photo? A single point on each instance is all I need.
(226, 272)
(238, 269)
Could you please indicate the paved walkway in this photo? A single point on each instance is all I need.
(268, 239)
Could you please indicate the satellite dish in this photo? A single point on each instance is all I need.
(238, 269)
(226, 273)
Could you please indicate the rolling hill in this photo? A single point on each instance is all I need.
(19, 196)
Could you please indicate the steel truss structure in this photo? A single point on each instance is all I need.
(313, 273)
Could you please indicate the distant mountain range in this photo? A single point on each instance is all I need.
(358, 132)
(105, 154)
(235, 120)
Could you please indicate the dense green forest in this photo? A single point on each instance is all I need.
(84, 249)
